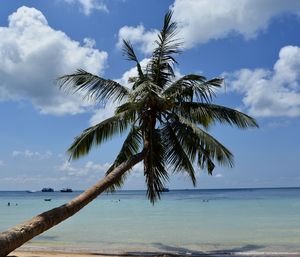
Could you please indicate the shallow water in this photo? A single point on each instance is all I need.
(184, 221)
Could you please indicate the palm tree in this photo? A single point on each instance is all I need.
(166, 119)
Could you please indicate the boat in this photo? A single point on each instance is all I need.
(47, 199)
(47, 189)
(66, 190)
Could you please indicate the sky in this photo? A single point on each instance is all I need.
(253, 44)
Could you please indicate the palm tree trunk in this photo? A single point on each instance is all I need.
(20, 234)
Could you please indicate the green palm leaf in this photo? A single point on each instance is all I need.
(199, 143)
(130, 55)
(160, 68)
(154, 167)
(181, 84)
(203, 112)
(131, 146)
(99, 133)
(175, 154)
(93, 87)
(145, 89)
(193, 86)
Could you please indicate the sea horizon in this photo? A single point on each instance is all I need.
(173, 189)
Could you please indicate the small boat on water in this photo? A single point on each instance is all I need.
(47, 189)
(66, 190)
(47, 199)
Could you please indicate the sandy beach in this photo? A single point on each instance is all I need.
(48, 254)
(71, 254)
(74, 254)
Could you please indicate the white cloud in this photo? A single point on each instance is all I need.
(87, 6)
(31, 181)
(30, 154)
(218, 175)
(102, 113)
(131, 73)
(138, 170)
(203, 20)
(33, 55)
(273, 92)
(138, 35)
(88, 168)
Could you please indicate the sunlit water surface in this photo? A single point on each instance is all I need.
(184, 221)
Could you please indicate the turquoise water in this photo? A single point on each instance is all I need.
(184, 221)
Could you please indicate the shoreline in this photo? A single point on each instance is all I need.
(68, 253)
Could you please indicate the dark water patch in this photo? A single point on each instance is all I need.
(182, 251)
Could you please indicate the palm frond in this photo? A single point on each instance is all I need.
(199, 143)
(129, 106)
(205, 160)
(160, 68)
(154, 167)
(175, 154)
(131, 146)
(129, 53)
(92, 86)
(201, 113)
(99, 133)
(145, 89)
(193, 86)
(193, 146)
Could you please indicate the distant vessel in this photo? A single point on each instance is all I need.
(66, 190)
(47, 199)
(47, 189)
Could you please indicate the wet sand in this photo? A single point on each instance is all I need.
(74, 254)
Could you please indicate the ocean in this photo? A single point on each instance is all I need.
(242, 221)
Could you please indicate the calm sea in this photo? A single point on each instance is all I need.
(184, 221)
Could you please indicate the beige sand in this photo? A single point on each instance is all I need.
(48, 254)
(65, 254)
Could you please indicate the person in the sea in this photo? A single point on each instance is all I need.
(8, 204)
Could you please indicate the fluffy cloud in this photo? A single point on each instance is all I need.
(273, 92)
(88, 168)
(87, 6)
(33, 55)
(201, 21)
(218, 175)
(131, 73)
(30, 154)
(137, 170)
(102, 113)
(138, 35)
(214, 19)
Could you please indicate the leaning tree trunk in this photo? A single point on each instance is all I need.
(20, 234)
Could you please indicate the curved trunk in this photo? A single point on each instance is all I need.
(20, 234)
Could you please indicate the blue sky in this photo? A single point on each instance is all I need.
(254, 44)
